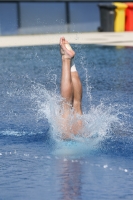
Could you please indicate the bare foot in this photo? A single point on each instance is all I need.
(66, 50)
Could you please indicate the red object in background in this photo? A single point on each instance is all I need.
(129, 17)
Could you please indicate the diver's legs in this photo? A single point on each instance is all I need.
(66, 80)
(66, 86)
(71, 87)
(71, 91)
(77, 90)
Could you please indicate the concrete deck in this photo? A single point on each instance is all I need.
(100, 38)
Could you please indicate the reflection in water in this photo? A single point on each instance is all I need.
(71, 180)
(119, 47)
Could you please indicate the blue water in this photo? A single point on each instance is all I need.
(34, 162)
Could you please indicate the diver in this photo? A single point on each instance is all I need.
(71, 92)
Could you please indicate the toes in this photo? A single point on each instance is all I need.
(66, 48)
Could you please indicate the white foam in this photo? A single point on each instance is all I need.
(98, 122)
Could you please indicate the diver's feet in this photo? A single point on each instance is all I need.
(65, 49)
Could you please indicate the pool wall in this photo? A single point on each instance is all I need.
(48, 17)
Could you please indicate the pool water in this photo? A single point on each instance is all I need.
(34, 162)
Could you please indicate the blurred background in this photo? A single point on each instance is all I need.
(38, 17)
(48, 17)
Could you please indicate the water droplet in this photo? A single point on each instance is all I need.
(105, 166)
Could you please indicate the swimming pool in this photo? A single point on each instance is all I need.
(34, 163)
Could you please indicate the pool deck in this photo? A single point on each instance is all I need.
(97, 38)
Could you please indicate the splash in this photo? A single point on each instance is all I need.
(98, 123)
(29, 107)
